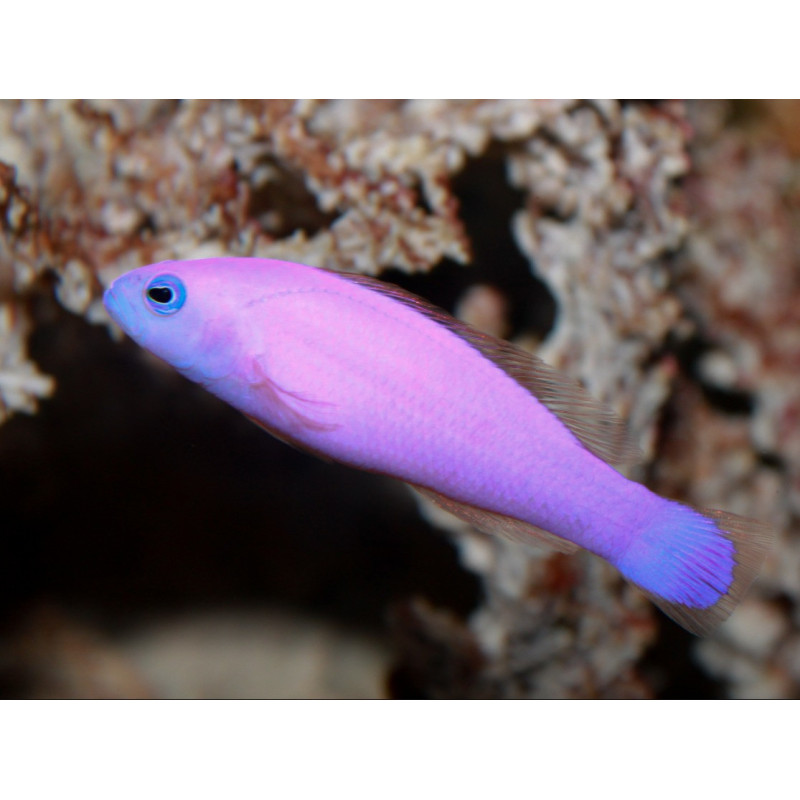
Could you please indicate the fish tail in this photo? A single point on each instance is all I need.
(696, 564)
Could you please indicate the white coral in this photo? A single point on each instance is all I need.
(21, 383)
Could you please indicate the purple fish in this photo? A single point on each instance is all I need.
(367, 374)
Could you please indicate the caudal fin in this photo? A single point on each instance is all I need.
(696, 565)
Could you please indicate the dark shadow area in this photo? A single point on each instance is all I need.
(487, 204)
(669, 667)
(134, 492)
(283, 204)
(731, 401)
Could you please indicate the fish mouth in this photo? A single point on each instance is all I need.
(121, 311)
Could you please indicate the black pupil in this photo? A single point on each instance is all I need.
(160, 294)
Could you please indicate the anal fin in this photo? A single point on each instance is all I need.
(491, 522)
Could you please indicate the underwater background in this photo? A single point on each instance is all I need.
(154, 543)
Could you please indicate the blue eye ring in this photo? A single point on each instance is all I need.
(165, 294)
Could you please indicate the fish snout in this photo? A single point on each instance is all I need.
(121, 310)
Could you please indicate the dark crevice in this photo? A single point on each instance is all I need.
(422, 201)
(283, 205)
(141, 493)
(690, 353)
(669, 667)
(729, 401)
(772, 461)
(487, 206)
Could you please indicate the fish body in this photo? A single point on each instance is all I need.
(368, 375)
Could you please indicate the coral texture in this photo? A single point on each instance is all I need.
(21, 383)
(739, 281)
(666, 238)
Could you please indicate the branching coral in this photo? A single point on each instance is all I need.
(20, 381)
(652, 243)
(738, 279)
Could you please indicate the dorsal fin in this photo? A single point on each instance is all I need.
(491, 522)
(594, 424)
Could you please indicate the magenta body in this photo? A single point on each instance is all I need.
(375, 379)
(362, 378)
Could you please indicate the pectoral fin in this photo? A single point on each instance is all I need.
(286, 403)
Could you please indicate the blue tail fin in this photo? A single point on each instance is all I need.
(696, 565)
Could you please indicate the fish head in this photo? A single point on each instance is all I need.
(184, 312)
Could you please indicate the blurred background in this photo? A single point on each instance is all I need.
(154, 543)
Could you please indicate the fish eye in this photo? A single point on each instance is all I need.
(165, 294)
